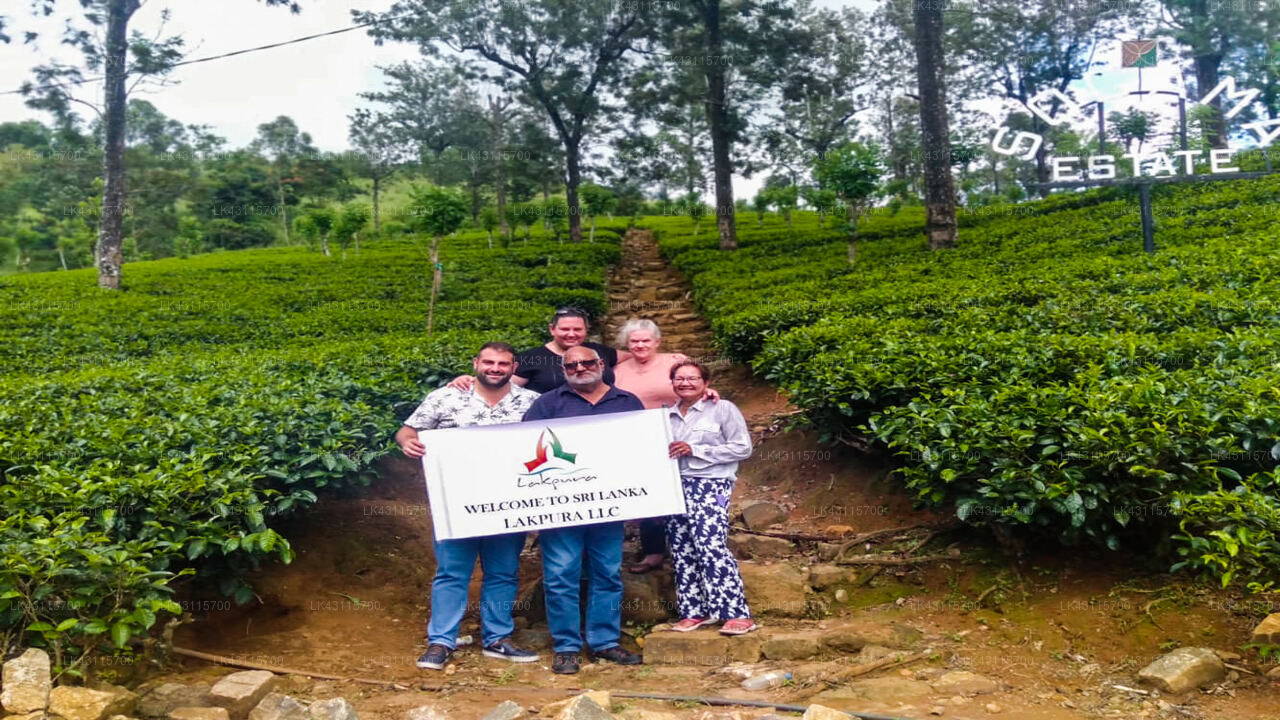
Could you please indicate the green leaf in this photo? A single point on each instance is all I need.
(120, 634)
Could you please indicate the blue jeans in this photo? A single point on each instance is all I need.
(563, 552)
(455, 560)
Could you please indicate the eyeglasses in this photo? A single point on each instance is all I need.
(686, 380)
(577, 312)
(584, 364)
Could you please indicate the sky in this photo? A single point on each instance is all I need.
(317, 82)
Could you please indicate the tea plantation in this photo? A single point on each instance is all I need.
(1047, 375)
(172, 424)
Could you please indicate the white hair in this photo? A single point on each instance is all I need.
(630, 326)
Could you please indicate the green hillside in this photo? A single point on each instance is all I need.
(178, 420)
(1046, 373)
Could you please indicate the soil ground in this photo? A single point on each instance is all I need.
(1056, 627)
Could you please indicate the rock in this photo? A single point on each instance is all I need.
(1184, 669)
(332, 709)
(700, 647)
(761, 515)
(937, 710)
(26, 682)
(822, 577)
(774, 589)
(79, 703)
(851, 636)
(745, 545)
(889, 690)
(1268, 631)
(791, 646)
(239, 692)
(427, 712)
(583, 707)
(199, 713)
(275, 706)
(992, 708)
(872, 653)
(602, 699)
(965, 683)
(822, 712)
(838, 530)
(165, 697)
(642, 599)
(508, 710)
(38, 715)
(533, 638)
(828, 551)
(841, 595)
(1274, 673)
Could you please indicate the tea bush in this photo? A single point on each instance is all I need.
(170, 426)
(1046, 374)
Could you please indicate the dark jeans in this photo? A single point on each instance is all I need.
(653, 536)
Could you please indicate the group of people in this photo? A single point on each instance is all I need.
(571, 377)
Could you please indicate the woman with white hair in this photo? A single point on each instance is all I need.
(646, 374)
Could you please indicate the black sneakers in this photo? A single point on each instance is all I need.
(616, 654)
(504, 649)
(566, 663)
(435, 658)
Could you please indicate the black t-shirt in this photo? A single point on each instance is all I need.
(542, 368)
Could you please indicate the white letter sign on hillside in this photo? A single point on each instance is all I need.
(544, 474)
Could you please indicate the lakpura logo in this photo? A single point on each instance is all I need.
(1087, 100)
(557, 450)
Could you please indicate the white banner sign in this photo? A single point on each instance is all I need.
(550, 473)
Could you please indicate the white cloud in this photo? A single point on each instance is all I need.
(316, 82)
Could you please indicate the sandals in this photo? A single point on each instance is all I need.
(738, 626)
(688, 624)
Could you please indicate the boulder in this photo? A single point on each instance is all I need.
(642, 714)
(275, 706)
(26, 682)
(199, 713)
(700, 647)
(239, 692)
(1184, 669)
(792, 646)
(508, 710)
(157, 702)
(761, 515)
(332, 709)
(822, 577)
(1266, 633)
(745, 545)
(852, 635)
(602, 698)
(775, 589)
(963, 682)
(583, 708)
(80, 703)
(642, 599)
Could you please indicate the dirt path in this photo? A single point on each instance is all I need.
(1054, 631)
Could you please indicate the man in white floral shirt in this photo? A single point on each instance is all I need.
(492, 400)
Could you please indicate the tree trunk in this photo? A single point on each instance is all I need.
(718, 121)
(940, 202)
(497, 141)
(62, 258)
(1215, 130)
(490, 239)
(377, 223)
(571, 161)
(592, 236)
(284, 215)
(109, 252)
(436, 274)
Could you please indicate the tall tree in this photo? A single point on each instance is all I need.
(566, 56)
(379, 155)
(1209, 31)
(939, 188)
(117, 55)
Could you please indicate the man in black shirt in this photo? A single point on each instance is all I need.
(540, 369)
